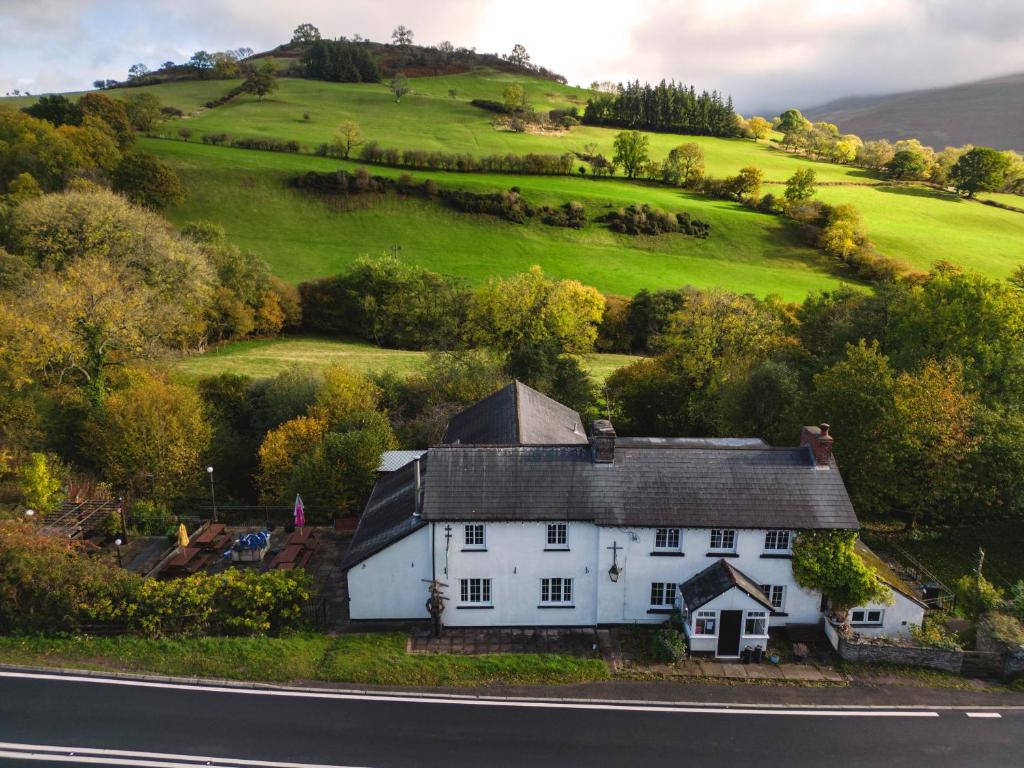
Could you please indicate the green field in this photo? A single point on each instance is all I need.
(263, 358)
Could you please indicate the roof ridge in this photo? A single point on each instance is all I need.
(519, 410)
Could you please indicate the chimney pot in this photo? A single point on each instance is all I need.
(820, 442)
(602, 441)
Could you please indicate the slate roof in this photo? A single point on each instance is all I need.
(681, 485)
(716, 579)
(516, 415)
(388, 515)
(885, 572)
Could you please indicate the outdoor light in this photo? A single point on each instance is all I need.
(117, 544)
(209, 470)
(213, 495)
(614, 571)
(29, 512)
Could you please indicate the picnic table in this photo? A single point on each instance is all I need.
(188, 560)
(288, 555)
(305, 537)
(213, 536)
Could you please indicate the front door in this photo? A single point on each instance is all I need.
(729, 633)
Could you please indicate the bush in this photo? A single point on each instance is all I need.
(491, 106)
(216, 138)
(934, 634)
(645, 220)
(1005, 628)
(150, 518)
(976, 595)
(668, 645)
(571, 214)
(267, 144)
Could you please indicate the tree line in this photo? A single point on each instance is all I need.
(668, 107)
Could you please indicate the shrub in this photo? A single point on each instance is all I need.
(668, 645)
(645, 220)
(1005, 628)
(267, 144)
(976, 595)
(216, 138)
(571, 214)
(1017, 599)
(150, 518)
(934, 634)
(185, 133)
(490, 105)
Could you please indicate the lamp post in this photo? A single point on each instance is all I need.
(213, 496)
(117, 546)
(30, 513)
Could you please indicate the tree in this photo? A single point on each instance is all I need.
(519, 55)
(746, 185)
(792, 121)
(684, 165)
(282, 449)
(56, 108)
(261, 80)
(343, 394)
(146, 180)
(305, 33)
(201, 62)
(907, 164)
(111, 112)
(348, 137)
(982, 169)
(875, 154)
(844, 233)
(826, 561)
(800, 186)
(41, 481)
(401, 35)
(135, 71)
(150, 437)
(514, 98)
(631, 151)
(399, 85)
(143, 110)
(759, 128)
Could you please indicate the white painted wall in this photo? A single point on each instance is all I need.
(388, 585)
(896, 619)
(515, 561)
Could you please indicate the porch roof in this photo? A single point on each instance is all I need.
(717, 579)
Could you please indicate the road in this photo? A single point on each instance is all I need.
(52, 720)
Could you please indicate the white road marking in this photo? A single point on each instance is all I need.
(408, 698)
(88, 755)
(983, 714)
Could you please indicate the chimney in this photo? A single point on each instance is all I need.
(819, 441)
(602, 441)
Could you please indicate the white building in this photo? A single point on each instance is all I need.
(528, 522)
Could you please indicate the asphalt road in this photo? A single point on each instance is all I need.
(44, 719)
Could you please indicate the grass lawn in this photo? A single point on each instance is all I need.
(263, 358)
(303, 237)
(365, 659)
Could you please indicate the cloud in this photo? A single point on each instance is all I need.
(767, 55)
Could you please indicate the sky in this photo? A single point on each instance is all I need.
(767, 54)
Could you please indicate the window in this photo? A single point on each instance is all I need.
(475, 591)
(473, 536)
(666, 538)
(777, 541)
(776, 594)
(556, 590)
(866, 616)
(756, 623)
(723, 539)
(558, 536)
(663, 594)
(704, 623)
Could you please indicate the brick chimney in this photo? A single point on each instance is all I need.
(602, 441)
(819, 441)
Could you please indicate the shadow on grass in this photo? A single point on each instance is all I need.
(914, 191)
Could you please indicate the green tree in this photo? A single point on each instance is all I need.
(800, 186)
(305, 33)
(907, 164)
(631, 151)
(348, 137)
(826, 561)
(55, 108)
(143, 110)
(746, 185)
(112, 112)
(982, 169)
(146, 180)
(514, 98)
(202, 63)
(41, 479)
(759, 128)
(150, 437)
(399, 85)
(261, 80)
(684, 165)
(792, 121)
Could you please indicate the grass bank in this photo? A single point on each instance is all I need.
(365, 659)
(264, 358)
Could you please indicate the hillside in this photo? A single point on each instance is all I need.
(983, 113)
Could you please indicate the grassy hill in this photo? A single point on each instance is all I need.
(987, 113)
(303, 236)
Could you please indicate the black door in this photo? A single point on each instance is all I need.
(729, 633)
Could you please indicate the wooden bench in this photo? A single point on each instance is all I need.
(287, 555)
(210, 536)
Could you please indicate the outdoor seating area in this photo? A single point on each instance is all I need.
(298, 550)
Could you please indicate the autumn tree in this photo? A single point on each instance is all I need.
(348, 137)
(746, 185)
(143, 110)
(514, 98)
(759, 128)
(631, 151)
(875, 154)
(150, 437)
(800, 186)
(112, 112)
(684, 165)
(148, 181)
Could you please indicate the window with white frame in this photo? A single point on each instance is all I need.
(663, 594)
(756, 623)
(777, 541)
(705, 622)
(473, 536)
(558, 536)
(556, 591)
(666, 538)
(776, 594)
(475, 591)
(866, 616)
(723, 539)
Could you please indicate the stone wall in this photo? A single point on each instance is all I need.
(1014, 662)
(875, 653)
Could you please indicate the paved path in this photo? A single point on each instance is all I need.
(46, 718)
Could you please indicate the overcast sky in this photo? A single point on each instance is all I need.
(767, 54)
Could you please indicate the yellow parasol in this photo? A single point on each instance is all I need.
(182, 535)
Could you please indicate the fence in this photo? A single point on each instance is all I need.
(937, 594)
(315, 612)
